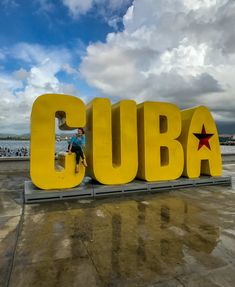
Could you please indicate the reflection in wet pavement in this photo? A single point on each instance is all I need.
(181, 238)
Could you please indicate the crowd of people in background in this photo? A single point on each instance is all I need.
(19, 152)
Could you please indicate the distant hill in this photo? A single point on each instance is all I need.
(26, 136)
(5, 136)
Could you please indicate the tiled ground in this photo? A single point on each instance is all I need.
(180, 238)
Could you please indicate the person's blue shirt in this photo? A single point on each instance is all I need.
(78, 141)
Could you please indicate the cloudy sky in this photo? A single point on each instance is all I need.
(179, 51)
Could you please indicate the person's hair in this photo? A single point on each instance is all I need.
(83, 132)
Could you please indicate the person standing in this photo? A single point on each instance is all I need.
(76, 146)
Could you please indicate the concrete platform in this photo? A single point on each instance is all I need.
(89, 189)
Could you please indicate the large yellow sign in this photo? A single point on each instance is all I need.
(42, 144)
(112, 141)
(152, 141)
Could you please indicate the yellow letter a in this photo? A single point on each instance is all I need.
(200, 141)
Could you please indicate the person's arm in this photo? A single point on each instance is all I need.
(70, 146)
(83, 140)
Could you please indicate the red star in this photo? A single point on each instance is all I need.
(203, 138)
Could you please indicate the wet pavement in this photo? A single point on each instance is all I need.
(180, 238)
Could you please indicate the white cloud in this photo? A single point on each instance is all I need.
(21, 74)
(128, 16)
(35, 53)
(198, 4)
(19, 89)
(181, 51)
(106, 8)
(78, 7)
(114, 21)
(9, 102)
(69, 70)
(7, 82)
(45, 6)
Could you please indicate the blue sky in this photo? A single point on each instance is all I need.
(50, 24)
(30, 21)
(179, 51)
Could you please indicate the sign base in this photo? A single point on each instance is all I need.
(91, 189)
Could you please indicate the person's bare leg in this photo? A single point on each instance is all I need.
(77, 168)
(84, 162)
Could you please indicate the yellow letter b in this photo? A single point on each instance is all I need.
(160, 154)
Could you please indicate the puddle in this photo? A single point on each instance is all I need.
(130, 240)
